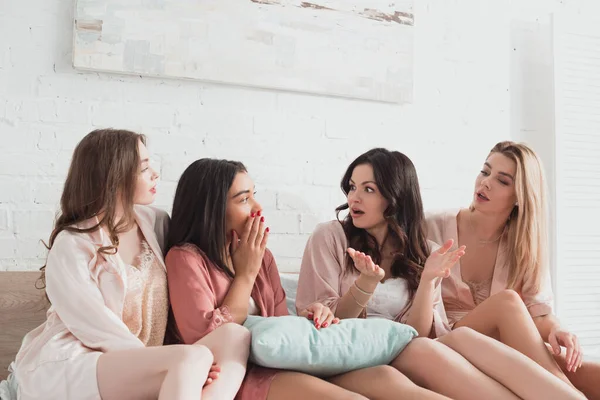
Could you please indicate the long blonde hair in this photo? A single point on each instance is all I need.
(527, 224)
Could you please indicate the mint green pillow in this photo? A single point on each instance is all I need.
(293, 343)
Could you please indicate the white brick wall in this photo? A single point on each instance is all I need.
(295, 146)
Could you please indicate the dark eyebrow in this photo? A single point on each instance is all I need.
(499, 173)
(144, 160)
(365, 182)
(241, 192)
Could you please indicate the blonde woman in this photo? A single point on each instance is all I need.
(501, 286)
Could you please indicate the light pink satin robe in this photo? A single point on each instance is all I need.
(57, 360)
(456, 294)
(323, 278)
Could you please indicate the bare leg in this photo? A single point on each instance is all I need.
(376, 383)
(504, 316)
(585, 379)
(299, 386)
(437, 367)
(514, 370)
(230, 346)
(384, 383)
(171, 372)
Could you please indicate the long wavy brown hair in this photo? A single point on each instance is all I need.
(102, 175)
(396, 178)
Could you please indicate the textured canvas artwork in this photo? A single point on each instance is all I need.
(349, 48)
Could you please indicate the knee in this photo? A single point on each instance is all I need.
(233, 341)
(509, 298)
(191, 355)
(421, 347)
(385, 373)
(415, 354)
(233, 333)
(462, 334)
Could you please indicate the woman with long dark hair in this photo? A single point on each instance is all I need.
(220, 271)
(377, 263)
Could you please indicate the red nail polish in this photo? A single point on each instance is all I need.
(325, 325)
(258, 213)
(262, 219)
(267, 230)
(317, 321)
(252, 214)
(310, 316)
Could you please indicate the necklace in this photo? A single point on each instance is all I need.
(480, 241)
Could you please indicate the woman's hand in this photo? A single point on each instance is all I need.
(365, 265)
(320, 314)
(248, 250)
(440, 262)
(559, 337)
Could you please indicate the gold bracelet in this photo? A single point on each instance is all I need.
(362, 291)
(355, 300)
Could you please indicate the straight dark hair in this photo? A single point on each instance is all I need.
(396, 178)
(198, 215)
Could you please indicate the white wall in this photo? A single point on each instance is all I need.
(296, 146)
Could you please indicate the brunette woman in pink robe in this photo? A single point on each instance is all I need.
(106, 282)
(377, 263)
(501, 287)
(220, 271)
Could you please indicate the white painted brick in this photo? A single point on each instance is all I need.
(250, 100)
(289, 126)
(231, 124)
(27, 164)
(14, 191)
(8, 247)
(48, 192)
(153, 90)
(10, 117)
(172, 169)
(328, 175)
(22, 138)
(108, 114)
(173, 144)
(3, 220)
(10, 264)
(267, 198)
(308, 222)
(305, 198)
(283, 222)
(33, 223)
(28, 111)
(79, 85)
(165, 192)
(57, 137)
(151, 115)
(33, 248)
(66, 111)
(287, 245)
